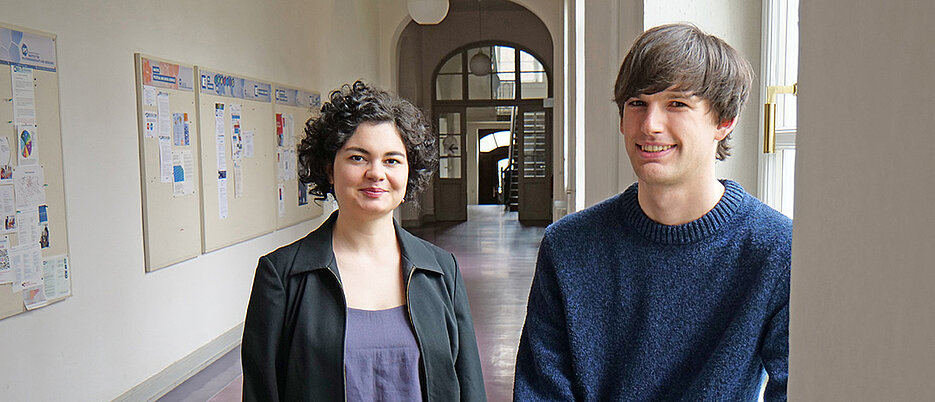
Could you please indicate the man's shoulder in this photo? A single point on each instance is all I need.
(589, 220)
(766, 230)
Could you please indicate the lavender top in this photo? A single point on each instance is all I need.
(381, 356)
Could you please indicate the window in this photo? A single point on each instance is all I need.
(781, 47)
(514, 75)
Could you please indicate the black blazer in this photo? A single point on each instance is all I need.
(293, 341)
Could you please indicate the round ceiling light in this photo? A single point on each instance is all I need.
(480, 64)
(428, 12)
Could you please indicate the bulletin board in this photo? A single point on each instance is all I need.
(238, 158)
(169, 161)
(34, 266)
(291, 108)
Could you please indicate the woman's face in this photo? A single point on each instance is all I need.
(370, 171)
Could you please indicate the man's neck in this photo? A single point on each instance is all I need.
(679, 204)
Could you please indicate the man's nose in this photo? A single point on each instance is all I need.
(653, 120)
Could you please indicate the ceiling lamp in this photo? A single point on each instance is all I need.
(428, 12)
(480, 64)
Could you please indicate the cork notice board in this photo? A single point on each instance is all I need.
(34, 270)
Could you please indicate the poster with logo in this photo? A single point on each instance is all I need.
(167, 75)
(27, 49)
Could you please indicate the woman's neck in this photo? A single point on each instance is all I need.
(355, 235)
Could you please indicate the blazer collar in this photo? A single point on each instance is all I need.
(316, 251)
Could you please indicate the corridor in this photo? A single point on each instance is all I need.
(497, 257)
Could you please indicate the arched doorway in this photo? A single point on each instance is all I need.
(509, 96)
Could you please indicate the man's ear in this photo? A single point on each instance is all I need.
(725, 127)
(621, 124)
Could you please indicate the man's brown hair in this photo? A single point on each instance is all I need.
(683, 57)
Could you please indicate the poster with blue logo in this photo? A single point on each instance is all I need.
(27, 49)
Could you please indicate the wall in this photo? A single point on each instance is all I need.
(609, 27)
(122, 326)
(864, 239)
(738, 22)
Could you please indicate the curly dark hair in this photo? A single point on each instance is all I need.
(348, 107)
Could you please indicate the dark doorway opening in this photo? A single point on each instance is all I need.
(490, 187)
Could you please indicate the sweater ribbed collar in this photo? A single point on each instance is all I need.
(698, 229)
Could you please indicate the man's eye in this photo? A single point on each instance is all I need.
(679, 104)
(636, 103)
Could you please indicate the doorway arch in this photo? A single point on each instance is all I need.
(420, 49)
(509, 93)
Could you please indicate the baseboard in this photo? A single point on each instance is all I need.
(166, 380)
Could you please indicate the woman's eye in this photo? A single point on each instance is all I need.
(357, 158)
(393, 162)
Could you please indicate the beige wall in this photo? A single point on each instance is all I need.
(863, 266)
(122, 326)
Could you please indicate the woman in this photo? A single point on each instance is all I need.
(361, 309)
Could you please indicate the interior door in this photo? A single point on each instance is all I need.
(450, 184)
(534, 133)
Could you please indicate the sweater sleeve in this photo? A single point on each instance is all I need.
(775, 348)
(467, 365)
(262, 329)
(543, 362)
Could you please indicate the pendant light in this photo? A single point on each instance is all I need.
(427, 12)
(480, 64)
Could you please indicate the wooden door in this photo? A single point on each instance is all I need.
(534, 133)
(450, 183)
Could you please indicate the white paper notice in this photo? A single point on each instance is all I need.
(6, 272)
(248, 144)
(7, 209)
(150, 121)
(4, 150)
(24, 100)
(34, 297)
(164, 115)
(289, 141)
(149, 95)
(222, 197)
(55, 277)
(220, 136)
(165, 159)
(27, 261)
(29, 186)
(282, 199)
(183, 176)
(220, 139)
(27, 226)
(27, 138)
(238, 179)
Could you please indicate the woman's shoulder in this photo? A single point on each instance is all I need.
(424, 254)
(313, 250)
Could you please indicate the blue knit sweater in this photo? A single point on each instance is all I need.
(625, 309)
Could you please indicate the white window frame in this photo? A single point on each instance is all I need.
(776, 171)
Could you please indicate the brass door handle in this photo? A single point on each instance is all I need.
(769, 114)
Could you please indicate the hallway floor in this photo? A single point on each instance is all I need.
(497, 257)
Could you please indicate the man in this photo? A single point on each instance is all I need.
(678, 288)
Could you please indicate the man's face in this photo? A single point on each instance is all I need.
(671, 137)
